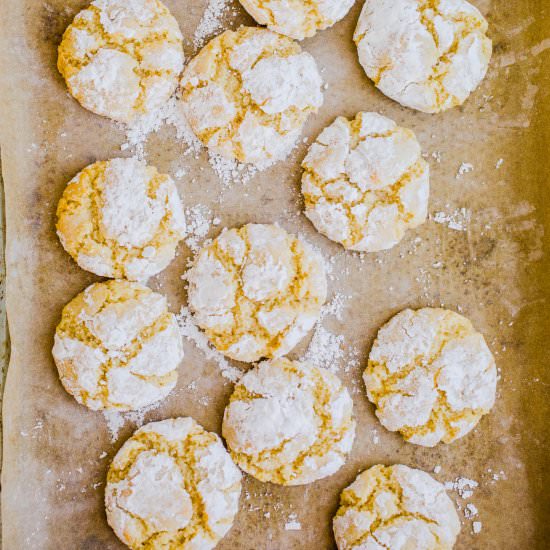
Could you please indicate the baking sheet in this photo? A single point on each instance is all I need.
(493, 267)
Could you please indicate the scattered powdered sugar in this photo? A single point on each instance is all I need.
(457, 220)
(191, 332)
(464, 487)
(335, 307)
(170, 114)
(327, 350)
(211, 21)
(116, 419)
(180, 172)
(199, 221)
(231, 171)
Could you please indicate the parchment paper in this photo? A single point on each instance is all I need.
(495, 272)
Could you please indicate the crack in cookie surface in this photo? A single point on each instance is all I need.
(365, 183)
(121, 218)
(289, 423)
(200, 488)
(297, 19)
(426, 54)
(395, 506)
(122, 59)
(117, 347)
(248, 93)
(256, 291)
(431, 376)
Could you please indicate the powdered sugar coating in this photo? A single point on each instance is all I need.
(426, 54)
(118, 347)
(122, 58)
(395, 507)
(296, 18)
(173, 486)
(289, 423)
(248, 93)
(121, 218)
(431, 376)
(365, 182)
(256, 291)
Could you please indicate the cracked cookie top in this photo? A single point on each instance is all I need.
(122, 58)
(428, 55)
(289, 423)
(365, 182)
(256, 291)
(248, 93)
(390, 507)
(117, 347)
(431, 376)
(121, 218)
(298, 19)
(172, 486)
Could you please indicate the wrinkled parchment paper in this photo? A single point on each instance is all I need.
(489, 261)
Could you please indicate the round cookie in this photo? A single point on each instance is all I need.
(395, 507)
(365, 182)
(121, 219)
(256, 291)
(118, 347)
(172, 486)
(431, 376)
(427, 55)
(248, 93)
(122, 58)
(289, 423)
(296, 18)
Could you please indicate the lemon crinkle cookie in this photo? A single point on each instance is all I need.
(256, 291)
(289, 423)
(428, 55)
(172, 486)
(248, 93)
(395, 507)
(296, 18)
(365, 182)
(122, 58)
(431, 376)
(121, 218)
(118, 347)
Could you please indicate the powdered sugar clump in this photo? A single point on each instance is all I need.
(463, 486)
(476, 527)
(464, 168)
(191, 332)
(293, 524)
(457, 220)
